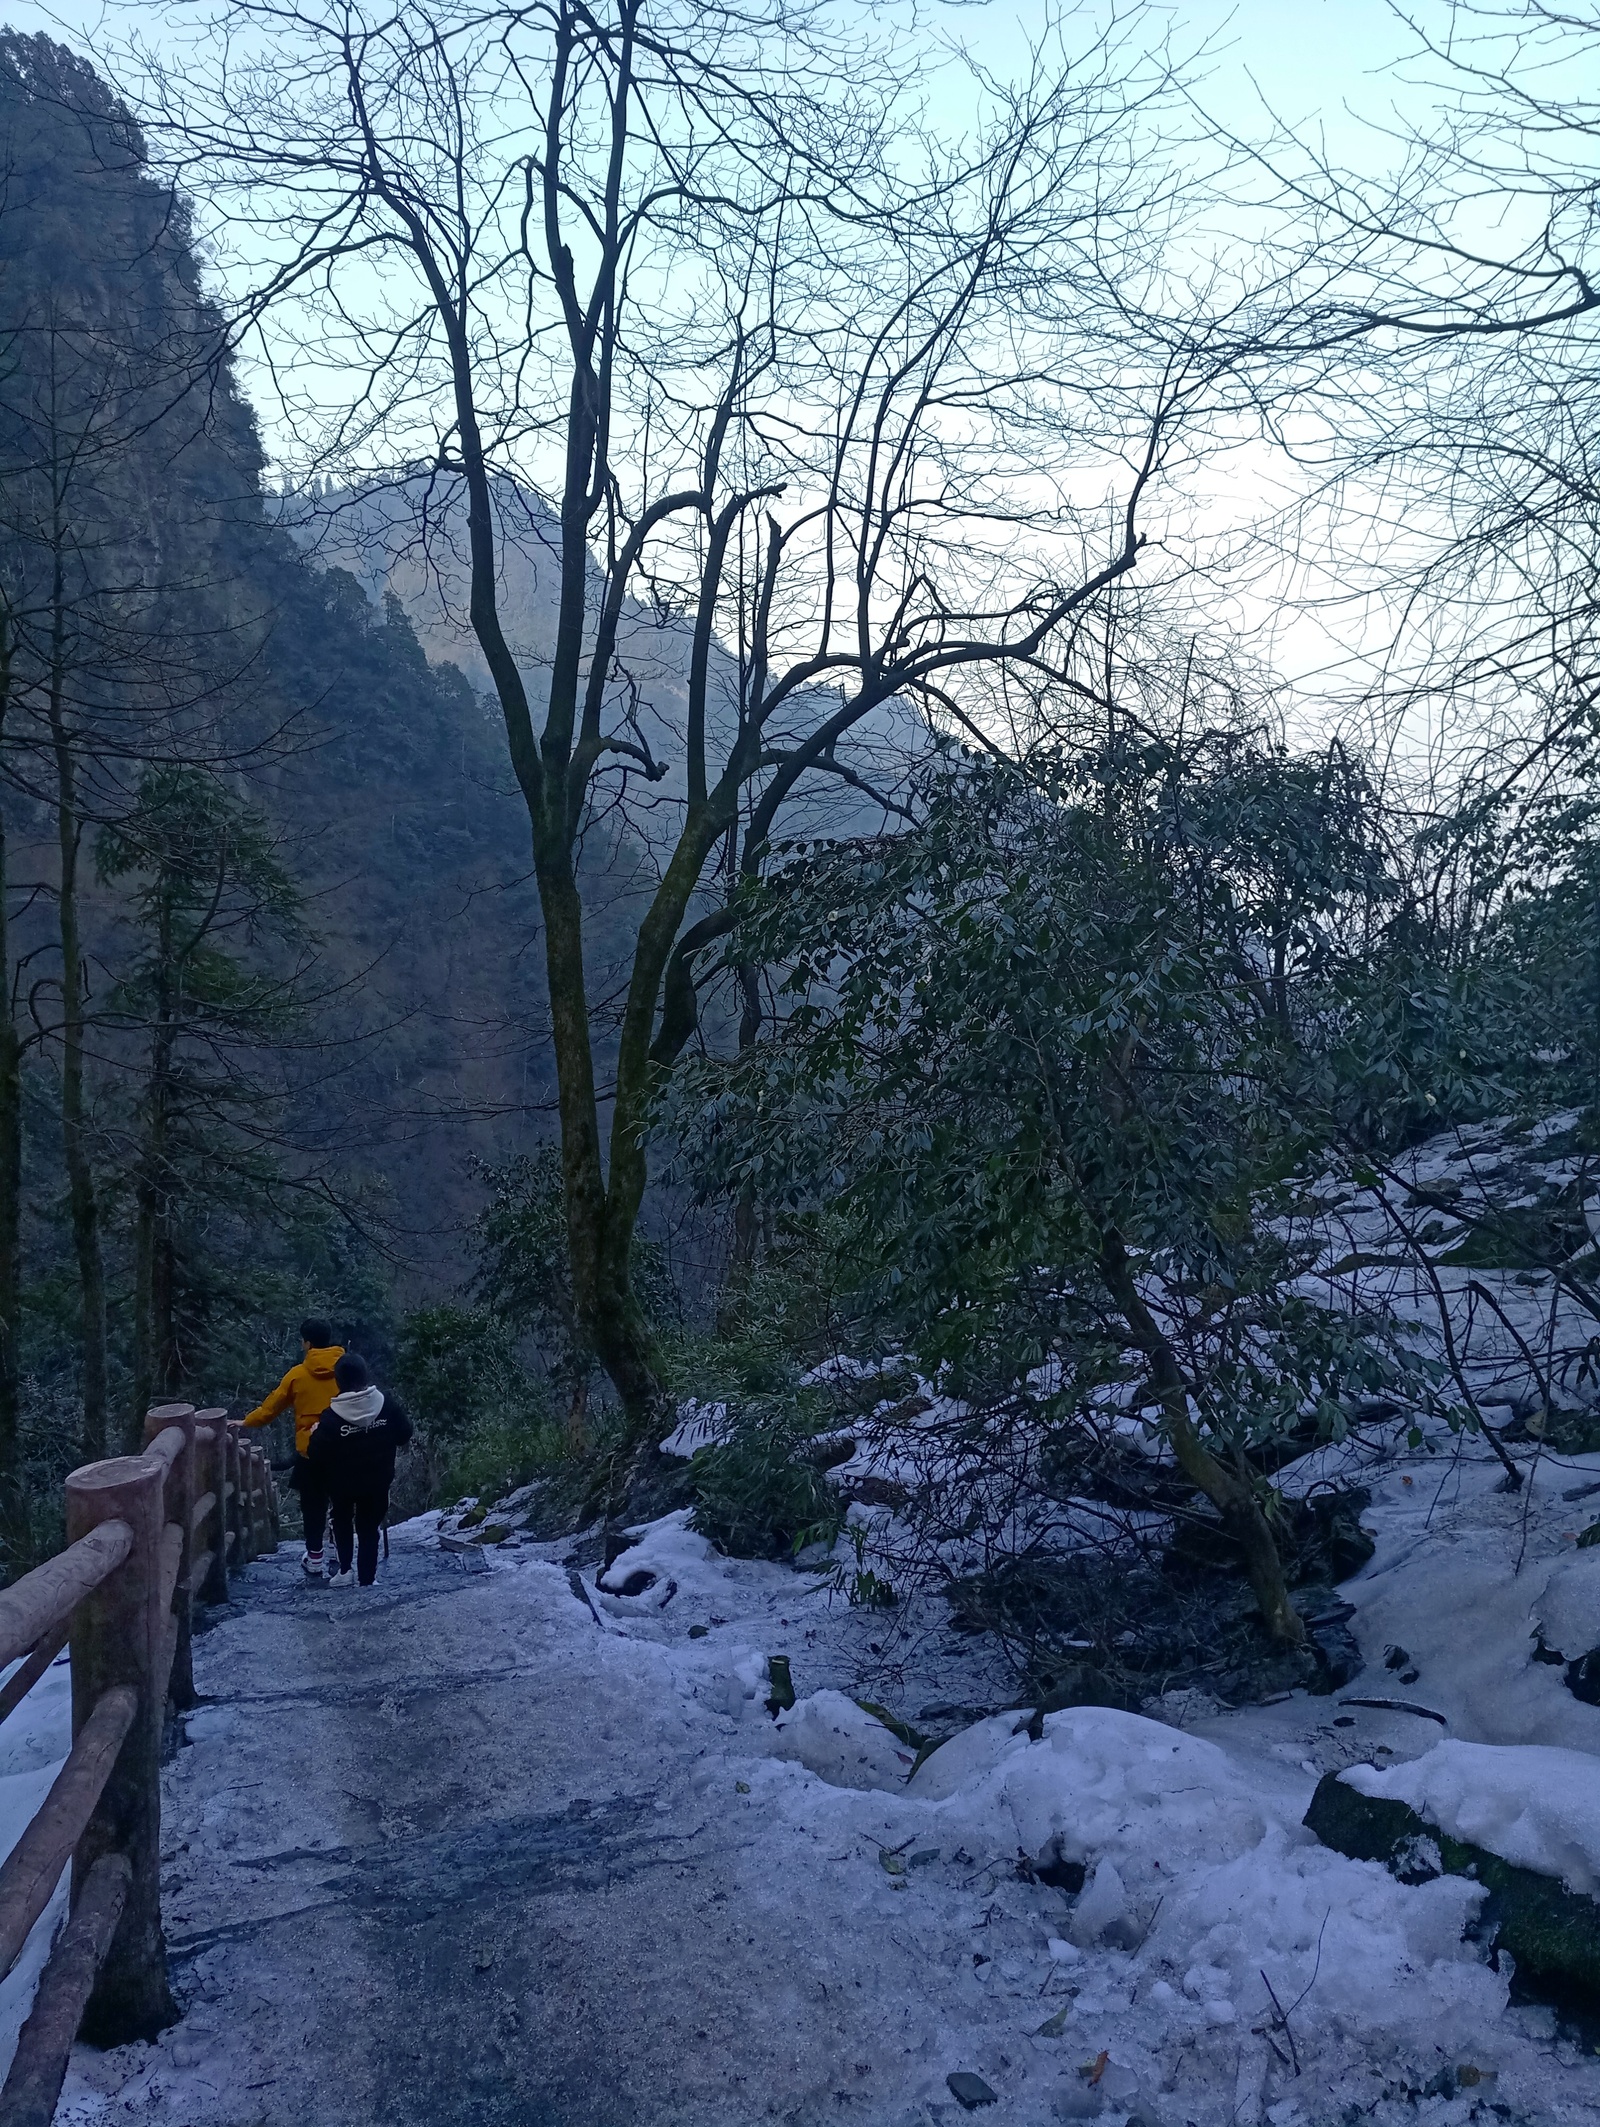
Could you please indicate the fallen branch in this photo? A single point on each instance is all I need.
(575, 1582)
(1399, 1706)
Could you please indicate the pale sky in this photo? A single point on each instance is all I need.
(1331, 66)
(1310, 58)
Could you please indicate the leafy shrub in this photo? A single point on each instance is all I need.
(757, 1497)
(1034, 1060)
(499, 1455)
(483, 1420)
(457, 1370)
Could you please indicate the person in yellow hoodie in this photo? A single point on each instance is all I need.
(307, 1390)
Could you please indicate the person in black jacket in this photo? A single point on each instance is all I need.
(353, 1451)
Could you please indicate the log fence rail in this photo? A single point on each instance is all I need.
(148, 1537)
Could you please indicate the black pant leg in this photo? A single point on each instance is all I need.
(370, 1510)
(313, 1503)
(343, 1510)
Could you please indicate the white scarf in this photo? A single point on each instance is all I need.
(360, 1408)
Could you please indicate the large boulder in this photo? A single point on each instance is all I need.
(1552, 1931)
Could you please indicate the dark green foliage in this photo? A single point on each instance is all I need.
(457, 1368)
(1482, 994)
(1037, 1028)
(758, 1496)
(523, 1276)
(498, 1456)
(800, 1304)
(1075, 1634)
(210, 989)
(205, 646)
(483, 1420)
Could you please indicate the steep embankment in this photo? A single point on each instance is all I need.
(197, 631)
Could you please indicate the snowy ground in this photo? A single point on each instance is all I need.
(461, 1851)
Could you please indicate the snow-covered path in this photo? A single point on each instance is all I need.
(439, 1855)
(459, 1851)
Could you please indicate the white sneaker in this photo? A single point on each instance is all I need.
(311, 1567)
(346, 1579)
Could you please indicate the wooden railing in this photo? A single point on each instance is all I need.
(147, 1537)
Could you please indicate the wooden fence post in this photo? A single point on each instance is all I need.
(267, 1494)
(118, 1636)
(212, 1478)
(244, 1479)
(233, 1498)
(183, 1492)
(258, 1505)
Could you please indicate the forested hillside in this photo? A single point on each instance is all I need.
(169, 617)
(160, 623)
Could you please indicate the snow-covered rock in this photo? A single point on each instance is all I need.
(668, 1557)
(1098, 1784)
(700, 1425)
(1568, 1612)
(1196, 1868)
(737, 1692)
(1532, 1804)
(839, 1741)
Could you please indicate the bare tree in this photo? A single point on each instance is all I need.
(880, 418)
(1450, 529)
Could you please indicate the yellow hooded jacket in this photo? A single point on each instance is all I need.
(309, 1388)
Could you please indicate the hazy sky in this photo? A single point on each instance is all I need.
(1334, 65)
(1310, 58)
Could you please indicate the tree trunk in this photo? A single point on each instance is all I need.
(143, 1392)
(603, 1198)
(14, 1518)
(605, 1314)
(577, 1407)
(746, 1212)
(1232, 1495)
(155, 1366)
(74, 1123)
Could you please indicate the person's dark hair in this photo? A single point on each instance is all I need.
(315, 1332)
(351, 1372)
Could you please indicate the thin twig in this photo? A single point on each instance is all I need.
(1317, 1967)
(1283, 2021)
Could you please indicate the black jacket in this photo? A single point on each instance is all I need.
(352, 1460)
